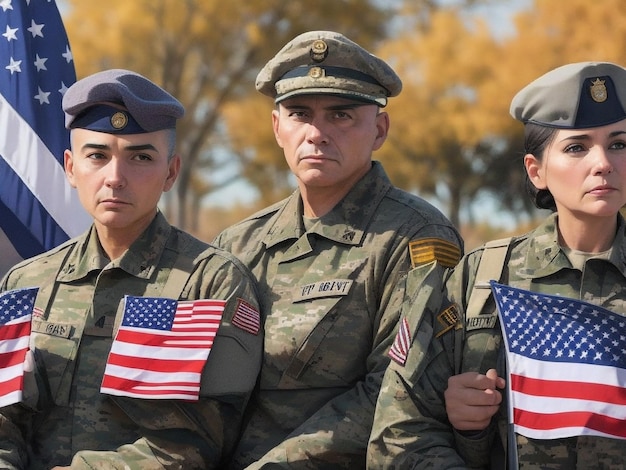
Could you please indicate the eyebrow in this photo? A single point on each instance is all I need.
(129, 147)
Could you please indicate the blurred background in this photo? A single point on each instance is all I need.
(452, 140)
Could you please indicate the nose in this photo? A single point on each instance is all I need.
(315, 133)
(115, 178)
(602, 162)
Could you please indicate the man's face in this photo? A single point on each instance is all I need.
(328, 141)
(120, 178)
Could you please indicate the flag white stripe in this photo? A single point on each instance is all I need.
(574, 372)
(46, 179)
(143, 375)
(156, 352)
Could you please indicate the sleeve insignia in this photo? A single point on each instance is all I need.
(400, 348)
(448, 319)
(426, 250)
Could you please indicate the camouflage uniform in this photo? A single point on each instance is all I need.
(411, 429)
(66, 419)
(326, 291)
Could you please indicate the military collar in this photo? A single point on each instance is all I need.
(139, 260)
(543, 246)
(345, 223)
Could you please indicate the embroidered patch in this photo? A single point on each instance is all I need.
(62, 330)
(400, 348)
(448, 319)
(481, 321)
(247, 317)
(328, 288)
(426, 250)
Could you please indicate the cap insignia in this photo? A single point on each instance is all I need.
(598, 91)
(319, 50)
(316, 72)
(119, 120)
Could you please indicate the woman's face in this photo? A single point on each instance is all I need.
(584, 169)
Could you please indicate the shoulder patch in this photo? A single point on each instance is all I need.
(448, 319)
(426, 250)
(400, 348)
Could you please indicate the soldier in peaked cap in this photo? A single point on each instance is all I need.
(122, 158)
(446, 404)
(329, 257)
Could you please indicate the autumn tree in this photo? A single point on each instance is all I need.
(207, 54)
(452, 137)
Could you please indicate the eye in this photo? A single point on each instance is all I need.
(574, 148)
(144, 157)
(96, 156)
(342, 115)
(297, 114)
(620, 145)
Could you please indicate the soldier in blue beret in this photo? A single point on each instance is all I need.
(329, 257)
(460, 400)
(122, 158)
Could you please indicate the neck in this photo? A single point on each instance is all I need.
(589, 236)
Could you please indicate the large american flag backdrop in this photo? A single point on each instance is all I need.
(566, 365)
(38, 208)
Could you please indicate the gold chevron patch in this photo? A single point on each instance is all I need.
(426, 250)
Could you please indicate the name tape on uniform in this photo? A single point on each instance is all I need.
(329, 288)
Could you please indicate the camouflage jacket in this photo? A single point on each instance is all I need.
(411, 429)
(326, 292)
(64, 419)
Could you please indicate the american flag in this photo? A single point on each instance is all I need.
(38, 208)
(400, 348)
(16, 307)
(161, 348)
(566, 365)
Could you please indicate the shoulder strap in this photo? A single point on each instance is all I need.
(489, 268)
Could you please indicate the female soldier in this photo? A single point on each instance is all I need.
(441, 405)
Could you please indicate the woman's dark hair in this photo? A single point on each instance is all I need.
(536, 140)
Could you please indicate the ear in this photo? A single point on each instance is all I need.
(382, 128)
(275, 126)
(535, 170)
(172, 173)
(68, 164)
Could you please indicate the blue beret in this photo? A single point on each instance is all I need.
(574, 96)
(325, 62)
(119, 101)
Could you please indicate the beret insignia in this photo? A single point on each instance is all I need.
(426, 250)
(119, 120)
(598, 91)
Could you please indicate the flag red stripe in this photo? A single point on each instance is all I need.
(545, 421)
(162, 365)
(567, 389)
(12, 358)
(11, 385)
(139, 386)
(16, 330)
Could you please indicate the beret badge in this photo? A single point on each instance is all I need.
(319, 50)
(119, 120)
(598, 91)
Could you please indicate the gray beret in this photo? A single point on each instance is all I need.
(121, 102)
(574, 96)
(325, 62)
